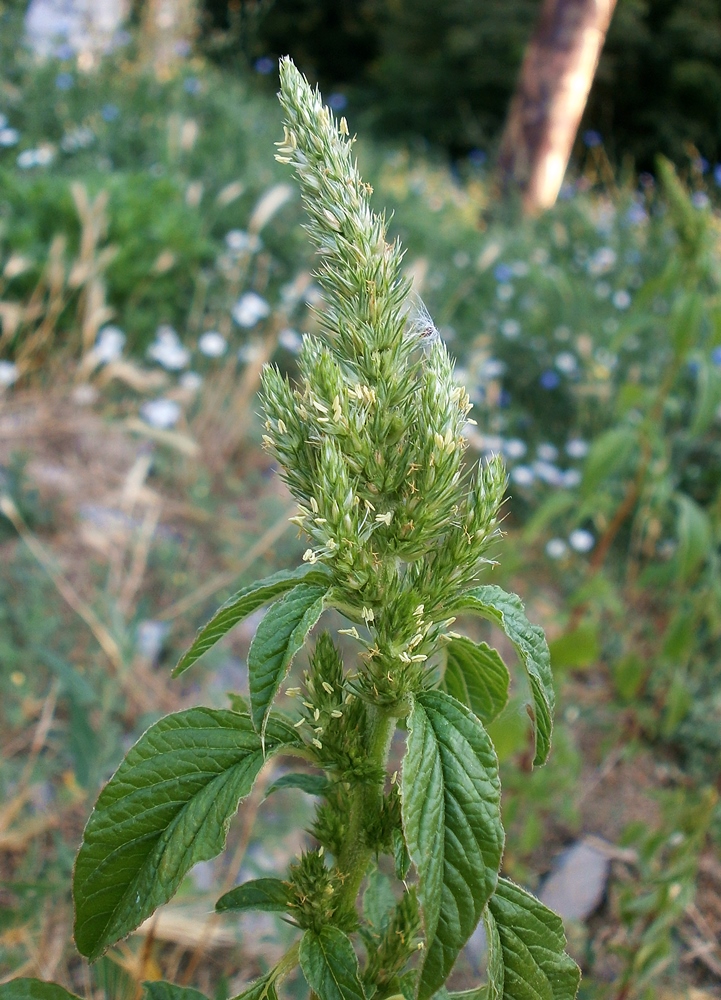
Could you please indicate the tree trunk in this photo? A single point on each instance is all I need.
(551, 93)
(168, 30)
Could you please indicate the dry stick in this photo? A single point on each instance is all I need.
(41, 732)
(704, 948)
(144, 958)
(216, 583)
(10, 810)
(132, 485)
(601, 773)
(250, 811)
(62, 585)
(133, 581)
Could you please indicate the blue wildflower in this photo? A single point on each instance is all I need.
(264, 65)
(502, 272)
(591, 138)
(64, 81)
(549, 380)
(337, 101)
(109, 112)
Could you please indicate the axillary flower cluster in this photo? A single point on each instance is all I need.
(370, 442)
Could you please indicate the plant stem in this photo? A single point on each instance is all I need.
(366, 801)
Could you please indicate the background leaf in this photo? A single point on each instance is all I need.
(608, 453)
(452, 820)
(506, 610)
(694, 531)
(532, 949)
(239, 606)
(708, 396)
(378, 900)
(330, 965)
(160, 990)
(279, 637)
(476, 676)
(268, 894)
(34, 989)
(166, 807)
(579, 648)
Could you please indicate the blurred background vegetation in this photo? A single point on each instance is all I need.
(152, 259)
(443, 73)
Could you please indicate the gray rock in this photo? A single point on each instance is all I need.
(577, 883)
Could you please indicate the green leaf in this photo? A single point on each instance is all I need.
(160, 990)
(477, 677)
(280, 635)
(167, 807)
(401, 857)
(677, 704)
(629, 674)
(555, 505)
(526, 949)
(708, 397)
(495, 968)
(34, 989)
(242, 604)
(685, 321)
(330, 965)
(506, 611)
(452, 820)
(608, 453)
(313, 784)
(695, 534)
(268, 894)
(479, 993)
(261, 989)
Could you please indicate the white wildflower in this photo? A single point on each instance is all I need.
(167, 349)
(109, 344)
(290, 340)
(162, 414)
(601, 262)
(515, 448)
(9, 137)
(212, 344)
(522, 475)
(238, 241)
(581, 540)
(556, 548)
(191, 381)
(510, 328)
(566, 362)
(250, 309)
(577, 448)
(9, 373)
(571, 479)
